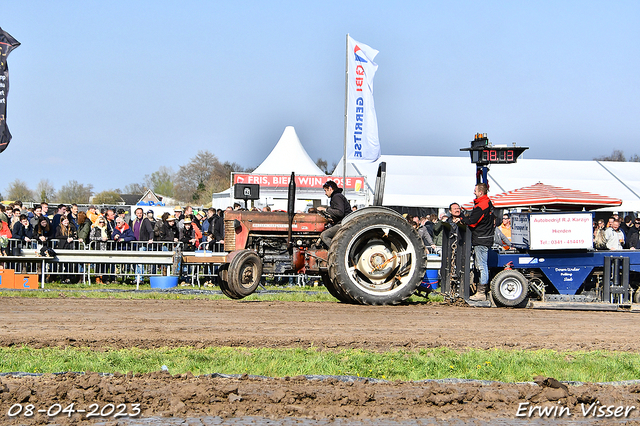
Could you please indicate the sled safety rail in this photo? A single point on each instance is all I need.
(616, 280)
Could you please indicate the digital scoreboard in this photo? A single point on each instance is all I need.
(483, 153)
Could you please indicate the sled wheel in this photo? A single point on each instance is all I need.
(245, 272)
(509, 288)
(334, 290)
(223, 274)
(377, 259)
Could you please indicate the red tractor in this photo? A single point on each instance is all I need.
(376, 258)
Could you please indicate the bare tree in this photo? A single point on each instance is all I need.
(18, 190)
(74, 192)
(45, 191)
(322, 164)
(107, 197)
(220, 181)
(195, 174)
(161, 181)
(134, 188)
(616, 155)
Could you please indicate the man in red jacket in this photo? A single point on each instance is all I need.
(482, 227)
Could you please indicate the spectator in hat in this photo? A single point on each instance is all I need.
(177, 213)
(187, 236)
(168, 230)
(198, 218)
(122, 213)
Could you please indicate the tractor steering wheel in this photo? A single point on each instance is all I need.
(326, 215)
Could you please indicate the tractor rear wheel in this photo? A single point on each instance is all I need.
(509, 288)
(377, 258)
(334, 290)
(245, 272)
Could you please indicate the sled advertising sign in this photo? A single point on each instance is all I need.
(557, 231)
(520, 230)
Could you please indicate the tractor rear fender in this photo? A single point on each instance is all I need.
(367, 210)
(231, 255)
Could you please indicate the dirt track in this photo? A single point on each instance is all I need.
(156, 323)
(120, 323)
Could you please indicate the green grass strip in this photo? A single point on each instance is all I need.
(127, 291)
(499, 365)
(293, 294)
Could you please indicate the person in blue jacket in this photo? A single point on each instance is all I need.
(122, 233)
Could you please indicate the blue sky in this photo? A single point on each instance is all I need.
(107, 92)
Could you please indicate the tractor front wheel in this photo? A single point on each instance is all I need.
(244, 274)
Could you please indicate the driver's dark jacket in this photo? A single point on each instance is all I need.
(339, 206)
(481, 222)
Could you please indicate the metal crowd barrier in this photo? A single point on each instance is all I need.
(113, 260)
(109, 259)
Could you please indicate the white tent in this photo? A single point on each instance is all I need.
(288, 156)
(429, 181)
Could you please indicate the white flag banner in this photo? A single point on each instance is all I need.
(362, 125)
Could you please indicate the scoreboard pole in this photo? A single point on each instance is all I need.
(483, 154)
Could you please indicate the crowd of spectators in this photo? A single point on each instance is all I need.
(617, 234)
(430, 227)
(108, 228)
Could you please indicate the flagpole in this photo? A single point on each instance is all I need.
(346, 111)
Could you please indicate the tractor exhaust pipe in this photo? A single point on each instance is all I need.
(380, 182)
(291, 205)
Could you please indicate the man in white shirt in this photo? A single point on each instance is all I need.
(615, 237)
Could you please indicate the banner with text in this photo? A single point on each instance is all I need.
(302, 182)
(7, 44)
(362, 124)
(554, 231)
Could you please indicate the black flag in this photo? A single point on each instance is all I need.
(7, 44)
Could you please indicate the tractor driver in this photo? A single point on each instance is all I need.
(338, 208)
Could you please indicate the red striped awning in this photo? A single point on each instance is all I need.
(550, 197)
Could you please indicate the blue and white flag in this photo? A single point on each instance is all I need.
(362, 124)
(7, 44)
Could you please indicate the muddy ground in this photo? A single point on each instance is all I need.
(116, 323)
